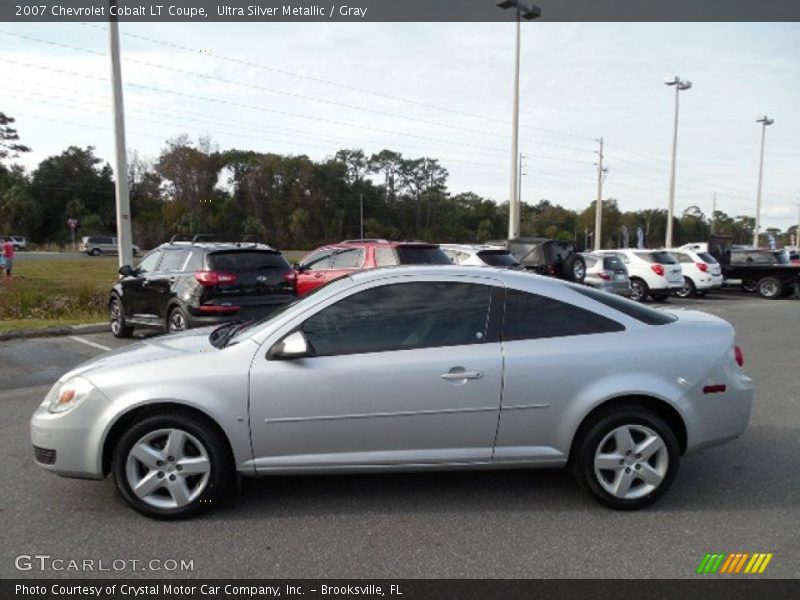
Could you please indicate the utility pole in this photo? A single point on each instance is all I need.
(598, 208)
(361, 207)
(522, 165)
(124, 235)
(713, 211)
(765, 121)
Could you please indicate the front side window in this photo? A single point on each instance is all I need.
(684, 258)
(530, 316)
(319, 262)
(402, 316)
(350, 258)
(150, 262)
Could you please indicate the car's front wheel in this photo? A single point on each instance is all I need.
(95, 252)
(117, 317)
(627, 458)
(171, 465)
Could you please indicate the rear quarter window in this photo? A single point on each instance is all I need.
(530, 316)
(635, 310)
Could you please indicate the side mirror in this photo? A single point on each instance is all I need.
(294, 345)
(126, 271)
(299, 268)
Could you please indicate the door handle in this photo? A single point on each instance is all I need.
(317, 275)
(457, 374)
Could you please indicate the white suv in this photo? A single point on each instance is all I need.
(479, 255)
(701, 272)
(654, 273)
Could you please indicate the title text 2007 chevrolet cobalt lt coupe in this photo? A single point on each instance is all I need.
(406, 368)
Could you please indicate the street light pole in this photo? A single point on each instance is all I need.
(124, 235)
(527, 12)
(679, 87)
(764, 122)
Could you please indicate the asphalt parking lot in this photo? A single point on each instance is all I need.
(740, 497)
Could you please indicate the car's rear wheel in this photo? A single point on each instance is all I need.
(177, 320)
(627, 458)
(770, 288)
(171, 465)
(688, 290)
(117, 317)
(95, 252)
(639, 289)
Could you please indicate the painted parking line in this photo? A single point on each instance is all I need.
(88, 343)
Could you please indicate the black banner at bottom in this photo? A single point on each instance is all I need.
(398, 589)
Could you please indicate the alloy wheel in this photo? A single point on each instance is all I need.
(115, 314)
(168, 468)
(177, 322)
(631, 461)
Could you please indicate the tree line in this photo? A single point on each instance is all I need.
(296, 202)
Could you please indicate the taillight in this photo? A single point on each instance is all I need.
(604, 276)
(210, 278)
(658, 270)
(739, 355)
(702, 266)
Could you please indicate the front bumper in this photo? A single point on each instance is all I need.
(70, 443)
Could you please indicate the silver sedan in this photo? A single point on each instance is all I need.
(405, 368)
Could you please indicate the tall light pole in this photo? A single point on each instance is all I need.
(764, 122)
(124, 235)
(679, 87)
(527, 12)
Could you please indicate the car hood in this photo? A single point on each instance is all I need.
(156, 348)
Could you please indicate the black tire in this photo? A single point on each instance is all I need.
(116, 315)
(208, 490)
(177, 320)
(770, 288)
(748, 285)
(688, 290)
(639, 289)
(597, 436)
(94, 252)
(574, 268)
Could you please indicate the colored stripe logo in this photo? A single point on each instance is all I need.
(731, 564)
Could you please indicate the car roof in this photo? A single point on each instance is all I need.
(472, 247)
(214, 246)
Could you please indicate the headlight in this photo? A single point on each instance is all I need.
(67, 395)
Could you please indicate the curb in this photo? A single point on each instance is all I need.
(25, 334)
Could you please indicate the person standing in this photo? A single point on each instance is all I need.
(8, 255)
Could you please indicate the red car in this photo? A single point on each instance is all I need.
(336, 260)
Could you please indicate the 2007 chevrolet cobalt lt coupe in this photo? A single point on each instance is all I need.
(405, 368)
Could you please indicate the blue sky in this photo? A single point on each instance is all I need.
(441, 90)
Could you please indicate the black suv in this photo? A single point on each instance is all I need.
(192, 283)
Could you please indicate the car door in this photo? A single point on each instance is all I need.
(137, 299)
(311, 273)
(403, 373)
(158, 284)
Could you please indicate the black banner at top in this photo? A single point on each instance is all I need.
(395, 10)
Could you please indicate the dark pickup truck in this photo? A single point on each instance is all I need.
(767, 272)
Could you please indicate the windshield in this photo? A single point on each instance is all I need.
(310, 298)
